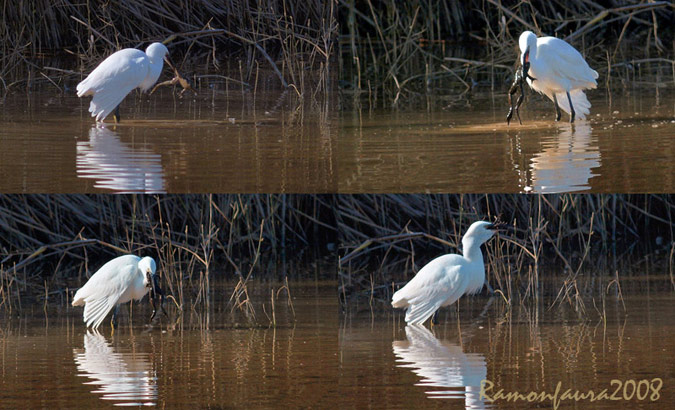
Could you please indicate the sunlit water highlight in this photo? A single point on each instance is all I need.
(218, 141)
(626, 145)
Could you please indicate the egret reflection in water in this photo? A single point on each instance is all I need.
(442, 364)
(125, 378)
(117, 166)
(566, 162)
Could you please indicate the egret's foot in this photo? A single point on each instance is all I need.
(113, 319)
(434, 319)
(558, 114)
(116, 115)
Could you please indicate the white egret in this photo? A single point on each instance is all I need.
(118, 281)
(445, 279)
(120, 73)
(557, 70)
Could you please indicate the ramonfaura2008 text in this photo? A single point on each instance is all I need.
(627, 390)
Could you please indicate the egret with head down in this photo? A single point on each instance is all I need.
(557, 70)
(118, 281)
(445, 279)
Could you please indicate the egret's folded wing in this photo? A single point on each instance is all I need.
(102, 291)
(419, 312)
(438, 283)
(105, 101)
(109, 279)
(566, 62)
(96, 310)
(113, 79)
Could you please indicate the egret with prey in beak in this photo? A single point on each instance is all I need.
(119, 74)
(119, 281)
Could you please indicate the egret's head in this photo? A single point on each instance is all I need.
(528, 45)
(481, 231)
(156, 51)
(149, 268)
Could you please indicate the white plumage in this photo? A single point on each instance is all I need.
(118, 281)
(445, 279)
(120, 73)
(557, 70)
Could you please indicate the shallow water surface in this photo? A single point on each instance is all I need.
(222, 140)
(54, 362)
(627, 144)
(384, 363)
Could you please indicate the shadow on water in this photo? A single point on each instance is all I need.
(118, 166)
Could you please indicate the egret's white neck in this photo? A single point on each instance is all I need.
(471, 250)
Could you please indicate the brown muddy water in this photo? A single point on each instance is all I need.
(627, 144)
(384, 363)
(222, 140)
(51, 360)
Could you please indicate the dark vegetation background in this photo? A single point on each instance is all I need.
(400, 49)
(46, 40)
(567, 245)
(49, 243)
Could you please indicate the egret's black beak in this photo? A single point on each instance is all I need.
(156, 291)
(497, 226)
(526, 66)
(167, 60)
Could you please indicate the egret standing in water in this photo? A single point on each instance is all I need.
(557, 70)
(118, 75)
(445, 279)
(118, 281)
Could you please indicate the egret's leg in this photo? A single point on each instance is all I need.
(557, 108)
(571, 108)
(116, 114)
(434, 318)
(113, 321)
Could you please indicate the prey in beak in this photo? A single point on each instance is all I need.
(155, 292)
(522, 73)
(177, 79)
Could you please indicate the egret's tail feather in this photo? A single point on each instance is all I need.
(83, 88)
(582, 107)
(419, 313)
(398, 300)
(80, 296)
(96, 310)
(104, 103)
